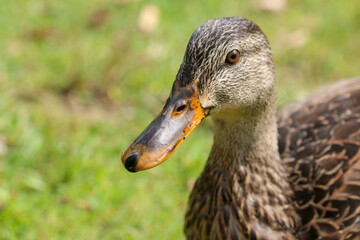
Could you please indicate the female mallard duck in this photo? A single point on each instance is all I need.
(292, 177)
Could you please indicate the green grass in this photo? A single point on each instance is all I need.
(74, 94)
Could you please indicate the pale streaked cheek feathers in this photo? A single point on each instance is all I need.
(231, 84)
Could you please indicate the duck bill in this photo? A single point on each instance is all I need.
(180, 116)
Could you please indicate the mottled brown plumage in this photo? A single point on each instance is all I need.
(320, 142)
(287, 174)
(310, 191)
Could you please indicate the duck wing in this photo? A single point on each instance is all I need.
(319, 140)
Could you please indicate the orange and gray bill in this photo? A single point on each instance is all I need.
(180, 116)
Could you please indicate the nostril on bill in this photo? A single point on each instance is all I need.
(131, 161)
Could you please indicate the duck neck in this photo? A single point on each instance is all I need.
(249, 139)
(247, 146)
(245, 157)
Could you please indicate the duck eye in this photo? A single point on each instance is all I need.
(233, 56)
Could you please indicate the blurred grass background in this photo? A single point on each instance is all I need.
(80, 79)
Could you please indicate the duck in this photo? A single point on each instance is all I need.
(288, 173)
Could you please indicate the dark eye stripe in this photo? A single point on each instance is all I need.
(233, 56)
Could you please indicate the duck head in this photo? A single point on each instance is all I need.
(227, 71)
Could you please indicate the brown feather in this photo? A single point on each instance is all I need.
(320, 141)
